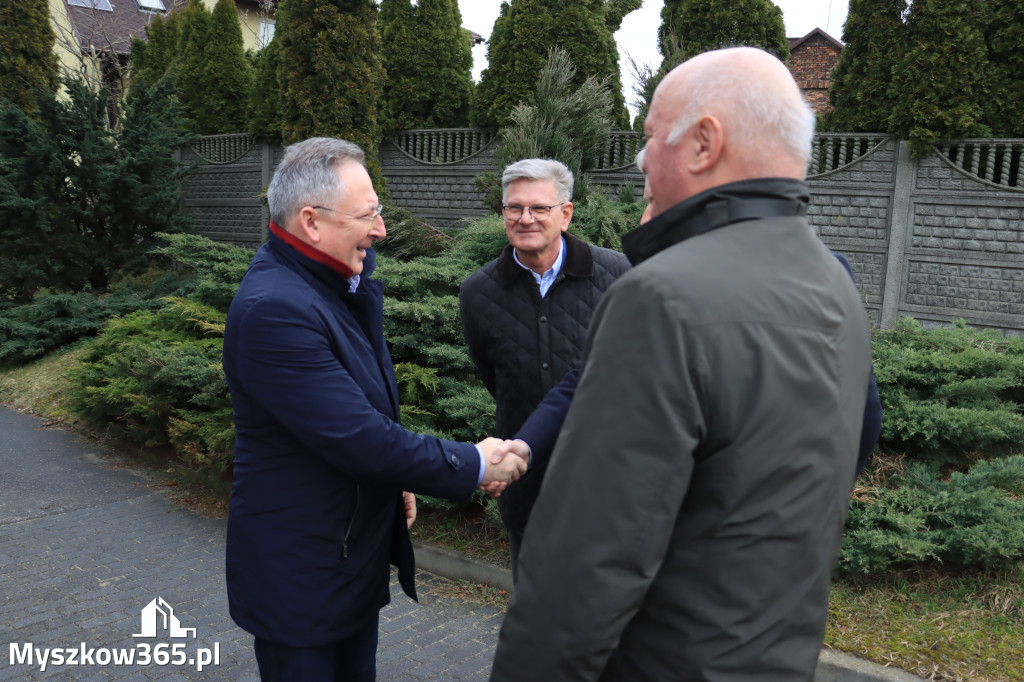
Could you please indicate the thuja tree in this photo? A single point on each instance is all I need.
(945, 75)
(228, 74)
(689, 27)
(428, 59)
(702, 25)
(78, 200)
(27, 60)
(191, 70)
(516, 51)
(1005, 36)
(265, 96)
(159, 53)
(332, 73)
(213, 75)
(522, 36)
(862, 93)
(585, 30)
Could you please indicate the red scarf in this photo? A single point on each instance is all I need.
(311, 251)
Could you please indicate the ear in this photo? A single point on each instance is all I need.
(707, 141)
(566, 215)
(308, 226)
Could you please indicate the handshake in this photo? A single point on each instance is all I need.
(506, 462)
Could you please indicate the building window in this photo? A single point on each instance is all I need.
(151, 5)
(266, 31)
(92, 4)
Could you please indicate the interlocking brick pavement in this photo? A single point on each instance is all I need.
(85, 545)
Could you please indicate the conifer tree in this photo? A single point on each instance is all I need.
(702, 25)
(944, 76)
(585, 30)
(1005, 36)
(521, 38)
(27, 60)
(80, 199)
(331, 73)
(265, 97)
(428, 60)
(228, 74)
(159, 54)
(515, 56)
(190, 74)
(689, 27)
(862, 94)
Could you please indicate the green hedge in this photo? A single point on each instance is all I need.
(946, 485)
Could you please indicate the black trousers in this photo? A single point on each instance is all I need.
(353, 659)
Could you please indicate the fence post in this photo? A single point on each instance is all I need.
(900, 233)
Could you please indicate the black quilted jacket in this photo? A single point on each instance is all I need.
(523, 344)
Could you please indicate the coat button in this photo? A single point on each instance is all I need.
(545, 366)
(543, 319)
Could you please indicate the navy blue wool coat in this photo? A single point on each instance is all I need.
(316, 512)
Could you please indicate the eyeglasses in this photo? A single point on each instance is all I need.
(368, 218)
(513, 212)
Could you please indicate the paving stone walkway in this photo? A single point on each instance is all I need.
(86, 545)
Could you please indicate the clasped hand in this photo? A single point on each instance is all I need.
(507, 460)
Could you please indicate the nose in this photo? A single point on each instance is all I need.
(527, 216)
(377, 228)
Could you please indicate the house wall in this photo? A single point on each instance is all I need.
(938, 238)
(811, 64)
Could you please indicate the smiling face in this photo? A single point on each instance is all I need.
(346, 230)
(536, 241)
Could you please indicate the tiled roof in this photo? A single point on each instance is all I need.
(103, 31)
(796, 42)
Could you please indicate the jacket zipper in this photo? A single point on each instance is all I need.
(348, 530)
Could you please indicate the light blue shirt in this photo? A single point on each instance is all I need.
(545, 280)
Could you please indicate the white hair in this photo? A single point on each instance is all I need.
(307, 176)
(539, 169)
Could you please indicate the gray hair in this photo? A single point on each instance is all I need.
(759, 116)
(307, 176)
(539, 169)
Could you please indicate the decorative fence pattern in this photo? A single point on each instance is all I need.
(443, 145)
(937, 238)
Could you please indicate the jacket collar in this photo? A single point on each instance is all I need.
(579, 262)
(325, 267)
(714, 208)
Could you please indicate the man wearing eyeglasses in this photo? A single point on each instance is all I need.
(324, 472)
(525, 314)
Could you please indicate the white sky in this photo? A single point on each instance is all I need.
(639, 33)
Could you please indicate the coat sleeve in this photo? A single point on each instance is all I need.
(285, 362)
(872, 426)
(470, 331)
(617, 479)
(540, 430)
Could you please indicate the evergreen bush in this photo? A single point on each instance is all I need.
(79, 201)
(950, 392)
(971, 519)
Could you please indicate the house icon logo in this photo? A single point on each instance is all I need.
(158, 614)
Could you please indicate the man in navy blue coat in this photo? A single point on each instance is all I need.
(324, 472)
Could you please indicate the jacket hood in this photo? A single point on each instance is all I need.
(717, 207)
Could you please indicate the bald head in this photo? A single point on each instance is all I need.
(728, 115)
